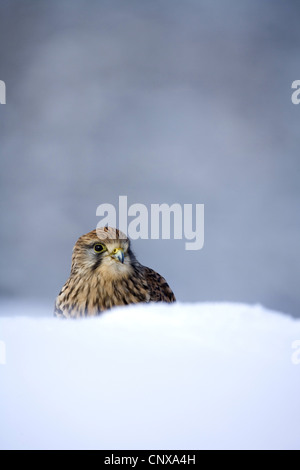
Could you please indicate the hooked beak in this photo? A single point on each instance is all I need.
(118, 254)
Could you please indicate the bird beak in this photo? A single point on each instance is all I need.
(118, 254)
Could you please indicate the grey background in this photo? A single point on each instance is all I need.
(162, 101)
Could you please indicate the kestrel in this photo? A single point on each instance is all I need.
(105, 273)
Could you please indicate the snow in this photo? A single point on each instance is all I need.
(181, 376)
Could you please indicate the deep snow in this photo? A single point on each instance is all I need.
(182, 376)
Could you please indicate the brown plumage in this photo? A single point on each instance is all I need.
(104, 274)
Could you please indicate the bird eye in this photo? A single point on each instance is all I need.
(99, 248)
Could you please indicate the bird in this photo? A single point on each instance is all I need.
(104, 274)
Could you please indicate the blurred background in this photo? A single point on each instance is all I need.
(165, 102)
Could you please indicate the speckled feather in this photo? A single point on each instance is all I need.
(99, 282)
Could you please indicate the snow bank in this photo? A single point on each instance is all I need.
(182, 376)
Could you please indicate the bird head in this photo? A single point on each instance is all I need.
(105, 251)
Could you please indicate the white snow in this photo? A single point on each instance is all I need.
(182, 376)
